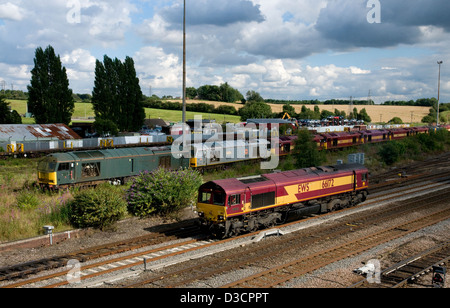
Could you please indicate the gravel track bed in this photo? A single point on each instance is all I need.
(336, 275)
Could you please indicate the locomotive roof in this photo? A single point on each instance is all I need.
(339, 134)
(375, 132)
(108, 153)
(235, 185)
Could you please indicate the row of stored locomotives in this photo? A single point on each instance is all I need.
(338, 140)
(116, 165)
(233, 206)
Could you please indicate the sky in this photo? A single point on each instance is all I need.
(282, 49)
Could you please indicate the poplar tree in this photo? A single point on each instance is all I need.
(49, 97)
(117, 97)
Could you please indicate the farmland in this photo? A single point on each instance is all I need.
(378, 113)
(84, 112)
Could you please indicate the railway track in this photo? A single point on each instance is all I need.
(25, 269)
(408, 271)
(280, 274)
(229, 261)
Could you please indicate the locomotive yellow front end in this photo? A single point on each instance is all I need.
(47, 172)
(211, 208)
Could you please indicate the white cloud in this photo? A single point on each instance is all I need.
(80, 58)
(252, 68)
(358, 71)
(11, 11)
(18, 75)
(279, 48)
(158, 69)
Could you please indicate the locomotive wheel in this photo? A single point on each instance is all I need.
(219, 231)
(334, 205)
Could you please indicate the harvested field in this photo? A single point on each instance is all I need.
(377, 113)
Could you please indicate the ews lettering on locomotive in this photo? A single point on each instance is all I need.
(303, 187)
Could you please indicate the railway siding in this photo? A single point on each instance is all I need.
(437, 186)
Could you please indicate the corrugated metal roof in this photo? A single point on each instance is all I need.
(30, 132)
(269, 121)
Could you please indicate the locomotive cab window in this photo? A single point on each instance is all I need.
(218, 198)
(234, 199)
(364, 177)
(204, 197)
(64, 167)
(47, 165)
(215, 197)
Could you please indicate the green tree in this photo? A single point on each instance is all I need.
(395, 120)
(117, 95)
(307, 113)
(191, 92)
(289, 109)
(132, 104)
(307, 153)
(7, 116)
(325, 114)
(49, 97)
(364, 116)
(253, 96)
(255, 110)
(210, 93)
(229, 94)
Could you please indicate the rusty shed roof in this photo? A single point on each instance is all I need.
(30, 132)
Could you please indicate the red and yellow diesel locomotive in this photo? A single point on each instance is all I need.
(237, 205)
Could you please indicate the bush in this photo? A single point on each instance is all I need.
(27, 200)
(98, 208)
(105, 127)
(163, 191)
(391, 152)
(430, 142)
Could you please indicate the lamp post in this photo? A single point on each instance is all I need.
(184, 62)
(439, 88)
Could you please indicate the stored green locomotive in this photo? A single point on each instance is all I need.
(92, 167)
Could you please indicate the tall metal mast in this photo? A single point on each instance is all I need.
(184, 62)
(439, 88)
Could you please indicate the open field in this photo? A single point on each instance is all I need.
(377, 113)
(84, 112)
(176, 116)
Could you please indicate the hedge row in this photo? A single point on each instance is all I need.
(195, 107)
(414, 147)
